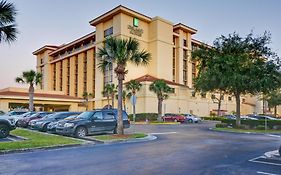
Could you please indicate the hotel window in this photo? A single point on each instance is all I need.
(184, 43)
(108, 32)
(61, 76)
(193, 93)
(184, 67)
(54, 77)
(203, 95)
(76, 77)
(85, 73)
(193, 71)
(42, 81)
(68, 76)
(174, 65)
(108, 74)
(229, 98)
(41, 60)
(174, 40)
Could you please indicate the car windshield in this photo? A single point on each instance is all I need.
(48, 116)
(85, 115)
(71, 117)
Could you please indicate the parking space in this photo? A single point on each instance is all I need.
(11, 139)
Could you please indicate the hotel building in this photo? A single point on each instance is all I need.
(72, 69)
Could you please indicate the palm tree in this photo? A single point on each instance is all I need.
(162, 90)
(86, 97)
(120, 52)
(8, 29)
(110, 91)
(133, 86)
(32, 78)
(125, 96)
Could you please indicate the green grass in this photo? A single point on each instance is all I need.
(246, 130)
(35, 140)
(120, 137)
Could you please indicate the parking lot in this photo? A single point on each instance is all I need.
(180, 149)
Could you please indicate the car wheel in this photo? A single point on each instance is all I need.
(190, 121)
(45, 127)
(4, 131)
(175, 120)
(80, 132)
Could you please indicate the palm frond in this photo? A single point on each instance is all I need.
(8, 33)
(7, 12)
(38, 78)
(19, 80)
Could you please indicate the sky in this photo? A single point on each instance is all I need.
(55, 22)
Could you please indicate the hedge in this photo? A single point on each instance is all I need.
(144, 116)
(271, 124)
(214, 118)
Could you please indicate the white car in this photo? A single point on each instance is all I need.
(190, 118)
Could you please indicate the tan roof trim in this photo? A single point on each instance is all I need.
(46, 47)
(73, 42)
(150, 78)
(185, 28)
(200, 43)
(119, 9)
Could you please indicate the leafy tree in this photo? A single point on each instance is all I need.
(32, 78)
(239, 66)
(162, 90)
(133, 86)
(86, 97)
(218, 100)
(121, 52)
(8, 29)
(273, 99)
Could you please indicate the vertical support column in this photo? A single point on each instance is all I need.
(57, 76)
(72, 76)
(64, 76)
(80, 74)
(90, 70)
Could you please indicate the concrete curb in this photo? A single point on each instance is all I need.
(41, 148)
(149, 137)
(273, 155)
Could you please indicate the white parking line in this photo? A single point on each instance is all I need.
(260, 172)
(163, 133)
(268, 163)
(271, 135)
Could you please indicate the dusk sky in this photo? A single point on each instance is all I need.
(55, 22)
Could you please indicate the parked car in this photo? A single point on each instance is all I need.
(2, 113)
(23, 122)
(6, 126)
(245, 117)
(19, 117)
(262, 117)
(51, 128)
(90, 122)
(173, 117)
(230, 116)
(42, 124)
(190, 118)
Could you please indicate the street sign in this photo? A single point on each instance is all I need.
(133, 100)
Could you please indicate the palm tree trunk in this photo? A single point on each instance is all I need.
(159, 110)
(31, 95)
(120, 128)
(107, 101)
(219, 108)
(275, 111)
(238, 121)
(112, 102)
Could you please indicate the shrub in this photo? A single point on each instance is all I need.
(243, 127)
(254, 123)
(221, 125)
(213, 118)
(144, 116)
(276, 127)
(260, 127)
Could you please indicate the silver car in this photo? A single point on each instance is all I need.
(190, 118)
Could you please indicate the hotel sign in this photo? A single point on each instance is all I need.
(134, 28)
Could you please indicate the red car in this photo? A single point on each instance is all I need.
(173, 117)
(24, 121)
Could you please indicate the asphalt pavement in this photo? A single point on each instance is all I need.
(190, 149)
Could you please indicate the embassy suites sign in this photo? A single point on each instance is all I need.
(134, 29)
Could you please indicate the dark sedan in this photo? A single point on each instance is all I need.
(51, 128)
(42, 124)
